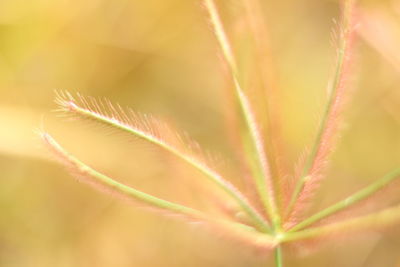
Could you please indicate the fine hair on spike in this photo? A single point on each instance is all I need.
(107, 185)
(261, 168)
(274, 215)
(158, 134)
(315, 165)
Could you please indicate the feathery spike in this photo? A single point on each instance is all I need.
(105, 184)
(325, 139)
(349, 201)
(159, 134)
(262, 176)
(377, 220)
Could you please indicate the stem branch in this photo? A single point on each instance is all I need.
(347, 202)
(278, 256)
(263, 180)
(322, 140)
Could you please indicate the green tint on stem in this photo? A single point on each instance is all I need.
(262, 175)
(278, 256)
(375, 220)
(103, 183)
(217, 179)
(108, 183)
(343, 52)
(351, 200)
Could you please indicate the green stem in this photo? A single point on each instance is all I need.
(326, 118)
(264, 184)
(204, 169)
(375, 220)
(103, 182)
(351, 200)
(278, 256)
(263, 180)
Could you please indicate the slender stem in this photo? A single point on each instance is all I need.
(265, 72)
(104, 182)
(347, 202)
(278, 256)
(216, 178)
(263, 178)
(343, 51)
(375, 220)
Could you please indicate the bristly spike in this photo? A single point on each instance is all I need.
(327, 134)
(262, 173)
(349, 201)
(153, 132)
(103, 183)
(268, 89)
(378, 220)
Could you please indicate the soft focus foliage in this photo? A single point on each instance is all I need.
(160, 57)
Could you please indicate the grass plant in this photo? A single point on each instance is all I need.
(280, 220)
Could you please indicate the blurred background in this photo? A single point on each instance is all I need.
(160, 57)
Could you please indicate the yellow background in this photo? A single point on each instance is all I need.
(160, 57)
